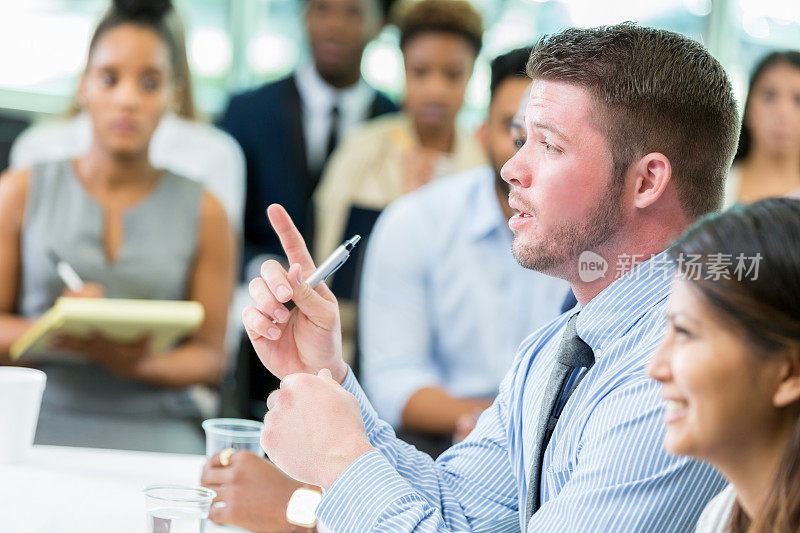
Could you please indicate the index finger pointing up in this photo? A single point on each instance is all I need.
(291, 240)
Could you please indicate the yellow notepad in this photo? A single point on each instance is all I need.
(120, 320)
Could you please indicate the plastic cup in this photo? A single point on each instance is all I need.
(235, 433)
(172, 508)
(20, 399)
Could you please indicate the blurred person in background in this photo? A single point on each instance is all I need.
(182, 142)
(289, 127)
(131, 231)
(396, 154)
(767, 161)
(730, 364)
(443, 303)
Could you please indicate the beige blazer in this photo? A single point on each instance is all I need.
(366, 171)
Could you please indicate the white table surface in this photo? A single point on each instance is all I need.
(59, 489)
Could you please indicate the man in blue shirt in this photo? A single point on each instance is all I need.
(629, 133)
(444, 304)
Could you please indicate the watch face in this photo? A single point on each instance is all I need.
(302, 507)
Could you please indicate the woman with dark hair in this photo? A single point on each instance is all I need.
(767, 161)
(730, 362)
(183, 142)
(132, 231)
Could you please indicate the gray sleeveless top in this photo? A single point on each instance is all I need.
(153, 262)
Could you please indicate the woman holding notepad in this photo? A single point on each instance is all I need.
(130, 231)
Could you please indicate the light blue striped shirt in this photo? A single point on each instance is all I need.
(605, 468)
(443, 302)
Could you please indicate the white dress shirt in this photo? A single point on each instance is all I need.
(318, 98)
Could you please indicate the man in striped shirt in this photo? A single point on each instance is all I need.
(628, 135)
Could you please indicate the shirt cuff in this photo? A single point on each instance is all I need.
(361, 494)
(368, 413)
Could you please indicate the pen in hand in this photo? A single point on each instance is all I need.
(65, 271)
(333, 263)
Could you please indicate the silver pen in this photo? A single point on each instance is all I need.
(333, 263)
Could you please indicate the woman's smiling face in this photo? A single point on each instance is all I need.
(718, 392)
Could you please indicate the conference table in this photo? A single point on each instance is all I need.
(59, 489)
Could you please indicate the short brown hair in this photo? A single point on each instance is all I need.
(658, 91)
(458, 17)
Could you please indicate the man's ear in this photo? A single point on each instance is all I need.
(483, 136)
(652, 175)
(788, 390)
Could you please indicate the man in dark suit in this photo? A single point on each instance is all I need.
(288, 128)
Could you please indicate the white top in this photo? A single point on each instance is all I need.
(318, 99)
(188, 148)
(717, 514)
(732, 187)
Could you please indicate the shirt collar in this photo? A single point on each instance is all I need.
(614, 311)
(319, 96)
(487, 215)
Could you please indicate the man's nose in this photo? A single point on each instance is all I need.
(515, 171)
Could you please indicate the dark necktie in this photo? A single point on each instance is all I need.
(573, 354)
(333, 135)
(333, 138)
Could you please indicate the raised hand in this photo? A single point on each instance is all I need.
(306, 339)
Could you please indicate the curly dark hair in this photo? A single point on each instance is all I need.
(147, 13)
(458, 17)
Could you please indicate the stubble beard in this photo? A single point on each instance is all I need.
(566, 241)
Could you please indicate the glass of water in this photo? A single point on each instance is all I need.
(177, 509)
(236, 433)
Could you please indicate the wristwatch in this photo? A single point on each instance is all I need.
(302, 507)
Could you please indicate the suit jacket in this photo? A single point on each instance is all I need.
(268, 124)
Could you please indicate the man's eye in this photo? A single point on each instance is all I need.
(107, 80)
(519, 143)
(548, 147)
